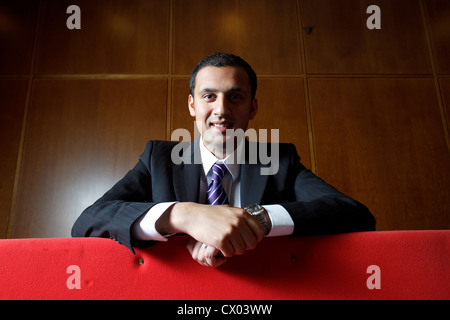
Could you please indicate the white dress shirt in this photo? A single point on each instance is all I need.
(282, 223)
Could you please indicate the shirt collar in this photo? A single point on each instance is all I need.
(233, 166)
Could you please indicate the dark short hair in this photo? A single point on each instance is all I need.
(220, 59)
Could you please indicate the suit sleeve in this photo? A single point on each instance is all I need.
(116, 211)
(319, 208)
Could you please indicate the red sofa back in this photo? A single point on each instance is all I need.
(366, 265)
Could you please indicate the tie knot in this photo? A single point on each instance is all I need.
(219, 170)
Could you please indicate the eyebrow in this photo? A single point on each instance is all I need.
(234, 89)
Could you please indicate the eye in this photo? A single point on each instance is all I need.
(235, 96)
(208, 96)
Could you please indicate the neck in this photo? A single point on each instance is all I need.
(221, 151)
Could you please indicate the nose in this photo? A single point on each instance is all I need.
(221, 107)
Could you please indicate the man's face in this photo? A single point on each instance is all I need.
(221, 101)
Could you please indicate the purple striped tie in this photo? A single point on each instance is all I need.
(216, 194)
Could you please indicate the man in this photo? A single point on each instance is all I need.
(168, 192)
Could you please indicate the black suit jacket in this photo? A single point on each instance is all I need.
(314, 206)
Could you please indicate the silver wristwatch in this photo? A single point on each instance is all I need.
(260, 214)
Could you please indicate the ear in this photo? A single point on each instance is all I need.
(191, 105)
(253, 109)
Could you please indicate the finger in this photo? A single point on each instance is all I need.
(213, 257)
(238, 242)
(200, 253)
(203, 254)
(209, 252)
(250, 239)
(219, 260)
(210, 256)
(193, 247)
(196, 250)
(226, 249)
(256, 228)
(190, 245)
(241, 240)
(249, 236)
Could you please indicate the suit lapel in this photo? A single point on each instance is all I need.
(186, 176)
(253, 183)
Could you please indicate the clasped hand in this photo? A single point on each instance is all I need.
(225, 230)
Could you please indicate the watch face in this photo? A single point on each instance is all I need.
(254, 207)
(258, 212)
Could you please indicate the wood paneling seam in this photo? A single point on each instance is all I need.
(309, 125)
(10, 222)
(435, 76)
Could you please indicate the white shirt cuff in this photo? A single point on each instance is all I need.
(282, 223)
(145, 229)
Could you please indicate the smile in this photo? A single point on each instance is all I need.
(221, 124)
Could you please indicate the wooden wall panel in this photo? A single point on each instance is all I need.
(181, 119)
(12, 96)
(264, 32)
(119, 36)
(17, 29)
(376, 136)
(382, 141)
(439, 22)
(281, 105)
(82, 136)
(340, 42)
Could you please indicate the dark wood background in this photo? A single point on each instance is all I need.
(367, 109)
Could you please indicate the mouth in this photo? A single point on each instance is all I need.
(221, 126)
